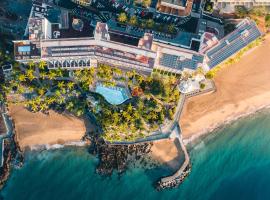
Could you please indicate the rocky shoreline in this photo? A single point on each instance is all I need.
(13, 157)
(117, 157)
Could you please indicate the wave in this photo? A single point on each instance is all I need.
(57, 146)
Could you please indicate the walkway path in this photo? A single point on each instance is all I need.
(8, 134)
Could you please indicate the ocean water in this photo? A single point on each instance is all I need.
(232, 163)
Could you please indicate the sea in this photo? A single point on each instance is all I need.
(230, 163)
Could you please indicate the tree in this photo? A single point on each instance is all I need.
(42, 65)
(122, 17)
(133, 20)
(43, 75)
(146, 3)
(209, 75)
(51, 75)
(115, 118)
(267, 20)
(150, 23)
(22, 77)
(30, 74)
(31, 64)
(44, 106)
(241, 11)
(70, 85)
(60, 84)
(171, 28)
(202, 86)
(41, 91)
(129, 108)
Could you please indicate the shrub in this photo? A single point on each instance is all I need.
(209, 75)
(202, 86)
(267, 20)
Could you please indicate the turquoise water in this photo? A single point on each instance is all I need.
(114, 95)
(235, 164)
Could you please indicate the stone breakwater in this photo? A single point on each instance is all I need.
(173, 183)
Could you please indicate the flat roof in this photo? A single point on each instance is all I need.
(77, 42)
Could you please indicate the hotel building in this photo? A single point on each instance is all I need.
(70, 43)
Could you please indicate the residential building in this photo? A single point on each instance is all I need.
(228, 6)
(175, 7)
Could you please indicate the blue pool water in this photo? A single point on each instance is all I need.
(233, 165)
(114, 95)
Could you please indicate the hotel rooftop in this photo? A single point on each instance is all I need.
(67, 41)
(245, 33)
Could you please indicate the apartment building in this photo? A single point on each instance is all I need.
(228, 6)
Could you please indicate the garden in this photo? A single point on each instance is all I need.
(153, 102)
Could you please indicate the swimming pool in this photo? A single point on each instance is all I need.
(114, 95)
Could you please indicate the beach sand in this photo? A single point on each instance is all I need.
(242, 88)
(35, 129)
(168, 152)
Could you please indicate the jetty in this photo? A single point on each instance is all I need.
(178, 177)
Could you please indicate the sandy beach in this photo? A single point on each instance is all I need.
(242, 89)
(35, 129)
(168, 152)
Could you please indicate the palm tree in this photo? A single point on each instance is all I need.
(129, 108)
(57, 93)
(61, 100)
(42, 65)
(122, 17)
(50, 100)
(30, 74)
(51, 75)
(41, 91)
(150, 23)
(59, 72)
(133, 20)
(115, 118)
(140, 79)
(70, 105)
(43, 106)
(92, 70)
(31, 64)
(43, 75)
(146, 3)
(37, 100)
(22, 77)
(20, 89)
(70, 85)
(60, 85)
